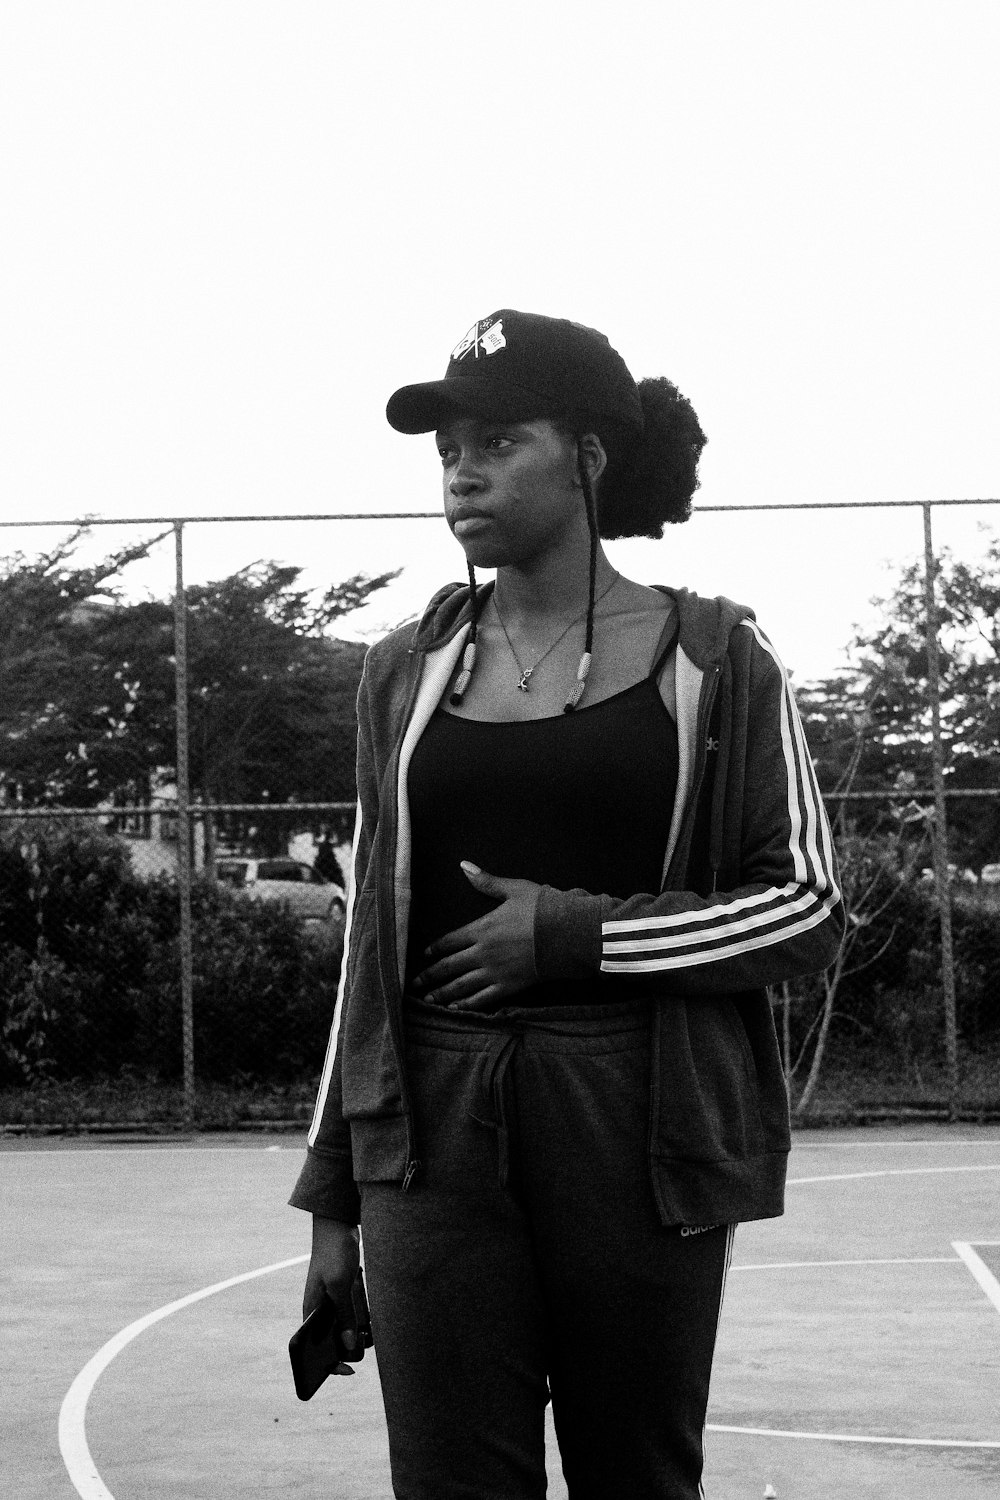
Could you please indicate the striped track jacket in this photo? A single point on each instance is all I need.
(749, 898)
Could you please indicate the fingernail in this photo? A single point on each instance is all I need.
(470, 867)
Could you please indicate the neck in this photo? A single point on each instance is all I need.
(553, 588)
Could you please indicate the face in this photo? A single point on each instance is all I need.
(511, 491)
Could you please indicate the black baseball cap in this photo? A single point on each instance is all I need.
(514, 366)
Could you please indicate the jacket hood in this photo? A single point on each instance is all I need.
(446, 613)
(705, 623)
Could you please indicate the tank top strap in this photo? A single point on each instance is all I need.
(666, 644)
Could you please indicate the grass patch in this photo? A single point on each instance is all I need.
(854, 1088)
(131, 1103)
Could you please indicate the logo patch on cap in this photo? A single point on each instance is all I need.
(486, 336)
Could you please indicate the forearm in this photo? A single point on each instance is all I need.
(752, 936)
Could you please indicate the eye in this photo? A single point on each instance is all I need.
(498, 440)
(446, 453)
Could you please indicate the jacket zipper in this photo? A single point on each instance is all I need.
(412, 1168)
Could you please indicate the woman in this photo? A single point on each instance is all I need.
(588, 837)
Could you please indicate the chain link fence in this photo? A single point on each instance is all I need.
(124, 1006)
(172, 958)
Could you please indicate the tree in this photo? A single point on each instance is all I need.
(884, 694)
(875, 868)
(88, 711)
(49, 719)
(894, 654)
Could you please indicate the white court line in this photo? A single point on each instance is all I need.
(798, 1265)
(74, 1151)
(982, 1275)
(73, 1414)
(54, 1153)
(979, 1268)
(890, 1172)
(850, 1437)
(986, 1279)
(72, 1417)
(90, 1486)
(906, 1141)
(14, 1148)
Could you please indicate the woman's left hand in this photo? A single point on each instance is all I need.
(477, 966)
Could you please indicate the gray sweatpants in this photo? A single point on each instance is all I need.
(527, 1259)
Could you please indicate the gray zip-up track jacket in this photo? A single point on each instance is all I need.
(749, 898)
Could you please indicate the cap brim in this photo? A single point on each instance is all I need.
(422, 408)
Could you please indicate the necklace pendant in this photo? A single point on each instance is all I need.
(523, 684)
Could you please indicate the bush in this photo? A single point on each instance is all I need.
(263, 993)
(888, 1013)
(898, 1001)
(90, 966)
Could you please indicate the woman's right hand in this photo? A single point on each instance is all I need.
(333, 1267)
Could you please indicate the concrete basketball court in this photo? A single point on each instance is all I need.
(150, 1290)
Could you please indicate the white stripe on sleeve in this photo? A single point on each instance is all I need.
(726, 929)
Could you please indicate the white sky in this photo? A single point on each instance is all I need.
(230, 230)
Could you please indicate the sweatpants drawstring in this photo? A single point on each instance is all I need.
(498, 1060)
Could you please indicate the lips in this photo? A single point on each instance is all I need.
(463, 518)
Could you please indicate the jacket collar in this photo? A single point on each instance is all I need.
(445, 615)
(705, 624)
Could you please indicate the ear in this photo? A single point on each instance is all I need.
(592, 456)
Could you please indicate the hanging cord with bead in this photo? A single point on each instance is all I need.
(582, 671)
(528, 672)
(469, 654)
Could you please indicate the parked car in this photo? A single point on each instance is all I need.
(320, 903)
(955, 875)
(990, 875)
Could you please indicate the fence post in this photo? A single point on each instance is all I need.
(184, 825)
(940, 830)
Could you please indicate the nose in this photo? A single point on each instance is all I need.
(465, 477)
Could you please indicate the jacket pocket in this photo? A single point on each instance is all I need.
(707, 1094)
(369, 1069)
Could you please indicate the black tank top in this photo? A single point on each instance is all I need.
(575, 801)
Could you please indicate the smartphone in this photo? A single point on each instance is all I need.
(315, 1349)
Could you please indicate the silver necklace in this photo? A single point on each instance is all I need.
(526, 672)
